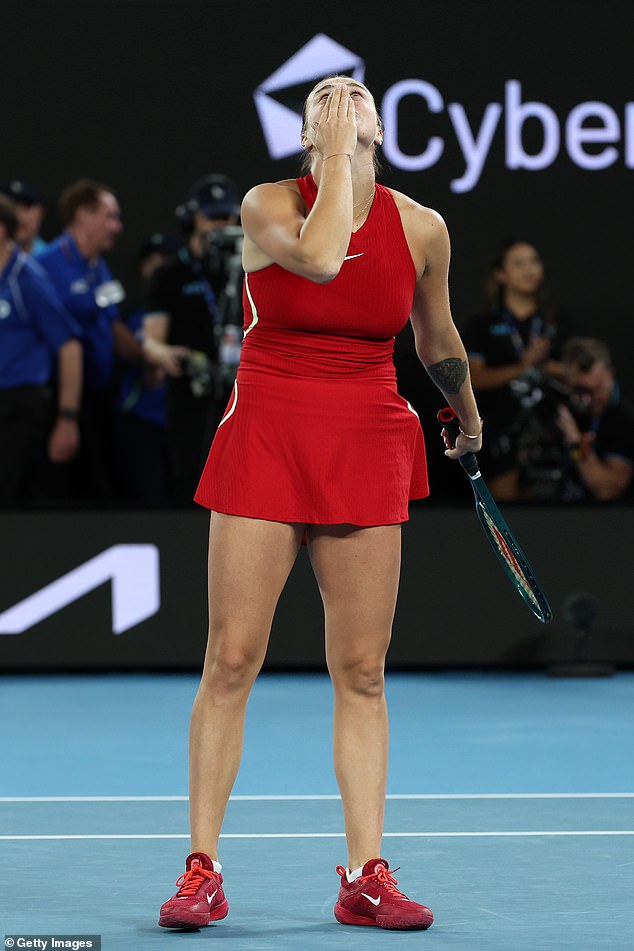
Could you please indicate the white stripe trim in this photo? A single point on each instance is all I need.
(254, 309)
(233, 405)
(14, 286)
(329, 835)
(322, 798)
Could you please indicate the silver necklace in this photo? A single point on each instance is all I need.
(359, 214)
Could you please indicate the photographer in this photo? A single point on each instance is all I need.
(514, 347)
(597, 425)
(193, 323)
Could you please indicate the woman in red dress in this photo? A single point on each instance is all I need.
(316, 445)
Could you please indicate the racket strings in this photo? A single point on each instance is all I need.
(510, 560)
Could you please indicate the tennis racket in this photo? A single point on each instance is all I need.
(503, 542)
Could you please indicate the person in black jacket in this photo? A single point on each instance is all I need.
(193, 304)
(514, 350)
(597, 425)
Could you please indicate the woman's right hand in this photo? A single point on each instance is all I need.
(336, 130)
(536, 351)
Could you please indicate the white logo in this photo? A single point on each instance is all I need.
(5, 309)
(111, 292)
(282, 124)
(136, 594)
(475, 136)
(210, 898)
(80, 286)
(349, 257)
(375, 901)
(593, 135)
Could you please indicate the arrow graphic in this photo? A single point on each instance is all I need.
(136, 594)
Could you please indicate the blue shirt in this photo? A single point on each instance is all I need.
(134, 396)
(78, 283)
(33, 324)
(39, 245)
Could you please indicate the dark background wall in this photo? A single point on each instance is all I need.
(456, 608)
(150, 94)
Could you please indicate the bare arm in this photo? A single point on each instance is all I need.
(273, 216)
(608, 478)
(485, 377)
(126, 346)
(63, 441)
(438, 342)
(156, 349)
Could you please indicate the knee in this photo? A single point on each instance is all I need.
(362, 677)
(230, 670)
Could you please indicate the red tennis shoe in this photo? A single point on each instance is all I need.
(199, 900)
(374, 899)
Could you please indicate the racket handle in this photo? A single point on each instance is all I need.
(449, 422)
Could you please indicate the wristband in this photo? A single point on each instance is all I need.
(337, 153)
(579, 450)
(65, 413)
(467, 435)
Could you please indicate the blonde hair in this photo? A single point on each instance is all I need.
(306, 163)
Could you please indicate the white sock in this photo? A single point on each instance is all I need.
(217, 866)
(353, 876)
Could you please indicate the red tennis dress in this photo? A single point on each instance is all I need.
(315, 430)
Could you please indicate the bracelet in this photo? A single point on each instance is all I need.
(467, 435)
(65, 413)
(580, 449)
(337, 153)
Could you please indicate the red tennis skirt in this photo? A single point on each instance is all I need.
(316, 432)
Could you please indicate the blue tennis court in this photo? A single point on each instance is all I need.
(510, 811)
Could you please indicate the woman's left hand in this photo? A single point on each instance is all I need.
(462, 446)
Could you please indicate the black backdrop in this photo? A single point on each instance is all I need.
(148, 95)
(456, 607)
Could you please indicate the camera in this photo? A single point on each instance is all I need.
(199, 370)
(229, 238)
(207, 378)
(541, 448)
(223, 261)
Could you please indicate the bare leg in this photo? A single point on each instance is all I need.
(249, 562)
(357, 570)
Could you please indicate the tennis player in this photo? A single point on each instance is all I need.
(317, 445)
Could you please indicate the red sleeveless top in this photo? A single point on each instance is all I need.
(315, 430)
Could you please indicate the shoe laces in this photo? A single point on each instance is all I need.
(385, 878)
(191, 880)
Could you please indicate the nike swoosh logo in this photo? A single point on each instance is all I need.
(210, 898)
(349, 257)
(375, 901)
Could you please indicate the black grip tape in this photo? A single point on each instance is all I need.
(449, 422)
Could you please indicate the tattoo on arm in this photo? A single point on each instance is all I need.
(449, 375)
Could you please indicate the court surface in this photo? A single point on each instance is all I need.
(510, 812)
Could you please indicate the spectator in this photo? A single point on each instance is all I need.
(185, 326)
(140, 404)
(597, 425)
(30, 209)
(90, 215)
(514, 349)
(40, 372)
